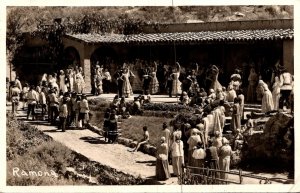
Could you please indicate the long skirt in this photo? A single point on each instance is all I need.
(199, 163)
(224, 165)
(251, 93)
(154, 85)
(235, 122)
(176, 87)
(162, 169)
(190, 158)
(177, 165)
(127, 89)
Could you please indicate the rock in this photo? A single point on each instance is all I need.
(152, 150)
(146, 148)
(275, 143)
(133, 144)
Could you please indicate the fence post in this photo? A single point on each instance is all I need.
(240, 175)
(207, 175)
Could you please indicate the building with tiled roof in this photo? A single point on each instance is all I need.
(229, 45)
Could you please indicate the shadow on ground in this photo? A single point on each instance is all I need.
(149, 163)
(93, 140)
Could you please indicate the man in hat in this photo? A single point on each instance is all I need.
(14, 94)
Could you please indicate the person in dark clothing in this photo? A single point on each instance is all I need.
(120, 81)
(106, 123)
(212, 159)
(146, 80)
(113, 127)
(169, 84)
(161, 71)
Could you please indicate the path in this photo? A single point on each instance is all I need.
(93, 146)
(115, 156)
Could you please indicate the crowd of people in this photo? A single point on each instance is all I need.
(200, 145)
(215, 154)
(58, 98)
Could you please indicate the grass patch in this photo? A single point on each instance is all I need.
(132, 128)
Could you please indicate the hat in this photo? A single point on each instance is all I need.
(200, 126)
(163, 139)
(211, 90)
(224, 141)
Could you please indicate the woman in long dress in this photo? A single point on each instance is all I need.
(224, 158)
(154, 85)
(176, 84)
(267, 100)
(252, 85)
(177, 155)
(192, 142)
(236, 116)
(162, 165)
(78, 82)
(137, 84)
(276, 93)
(62, 85)
(127, 89)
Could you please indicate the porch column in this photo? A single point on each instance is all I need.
(87, 75)
(288, 55)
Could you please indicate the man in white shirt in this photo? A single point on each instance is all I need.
(32, 101)
(286, 86)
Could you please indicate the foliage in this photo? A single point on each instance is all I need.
(21, 137)
(104, 174)
(167, 107)
(98, 104)
(185, 118)
(30, 150)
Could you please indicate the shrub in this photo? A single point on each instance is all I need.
(55, 155)
(167, 107)
(98, 104)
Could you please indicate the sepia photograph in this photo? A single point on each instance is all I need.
(150, 95)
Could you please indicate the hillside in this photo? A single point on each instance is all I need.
(30, 17)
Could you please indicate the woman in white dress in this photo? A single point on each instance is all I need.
(62, 85)
(127, 89)
(176, 84)
(276, 93)
(154, 85)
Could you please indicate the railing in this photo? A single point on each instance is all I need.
(202, 175)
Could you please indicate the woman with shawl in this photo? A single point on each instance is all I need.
(162, 165)
(251, 87)
(224, 158)
(267, 100)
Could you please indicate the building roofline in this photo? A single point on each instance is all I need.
(219, 26)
